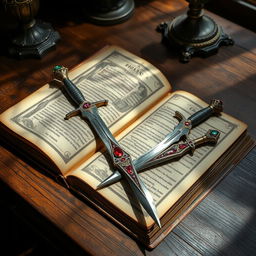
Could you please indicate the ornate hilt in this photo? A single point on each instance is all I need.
(211, 136)
(61, 74)
(215, 107)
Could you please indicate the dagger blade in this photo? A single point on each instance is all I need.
(137, 187)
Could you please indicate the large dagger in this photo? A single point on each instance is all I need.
(181, 130)
(120, 158)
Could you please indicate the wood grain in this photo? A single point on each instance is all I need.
(224, 223)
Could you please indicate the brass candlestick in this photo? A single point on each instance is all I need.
(109, 12)
(34, 37)
(194, 33)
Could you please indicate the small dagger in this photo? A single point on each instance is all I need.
(120, 158)
(181, 130)
(175, 151)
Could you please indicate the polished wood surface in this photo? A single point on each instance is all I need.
(224, 223)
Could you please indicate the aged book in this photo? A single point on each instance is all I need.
(140, 113)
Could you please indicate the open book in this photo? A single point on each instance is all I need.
(140, 113)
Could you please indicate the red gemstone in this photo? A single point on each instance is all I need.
(129, 169)
(86, 105)
(187, 123)
(182, 146)
(172, 151)
(123, 159)
(118, 152)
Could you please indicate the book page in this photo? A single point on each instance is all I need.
(129, 83)
(168, 182)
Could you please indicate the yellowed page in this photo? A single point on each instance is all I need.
(167, 183)
(129, 83)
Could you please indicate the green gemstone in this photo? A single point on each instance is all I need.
(214, 132)
(58, 67)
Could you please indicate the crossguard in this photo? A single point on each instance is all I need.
(179, 116)
(183, 122)
(86, 106)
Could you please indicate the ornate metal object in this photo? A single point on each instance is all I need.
(194, 33)
(34, 37)
(181, 130)
(120, 158)
(179, 149)
(173, 152)
(109, 12)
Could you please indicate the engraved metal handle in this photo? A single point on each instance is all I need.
(215, 107)
(61, 74)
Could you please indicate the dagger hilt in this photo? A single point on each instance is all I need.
(211, 136)
(215, 107)
(61, 74)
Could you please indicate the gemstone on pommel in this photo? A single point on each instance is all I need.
(57, 67)
(214, 133)
(60, 72)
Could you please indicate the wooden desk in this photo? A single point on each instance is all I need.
(224, 223)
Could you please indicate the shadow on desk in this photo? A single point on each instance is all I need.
(22, 238)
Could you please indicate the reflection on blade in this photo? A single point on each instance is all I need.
(146, 200)
(140, 161)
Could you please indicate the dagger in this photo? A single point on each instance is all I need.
(175, 151)
(181, 130)
(120, 158)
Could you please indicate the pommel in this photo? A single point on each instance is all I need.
(217, 106)
(60, 73)
(212, 136)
